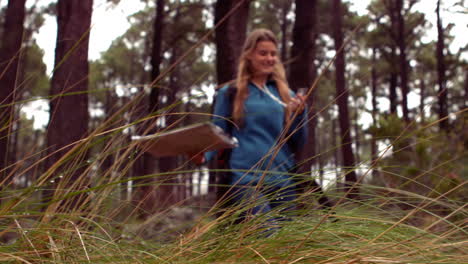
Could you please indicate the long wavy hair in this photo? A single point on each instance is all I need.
(245, 72)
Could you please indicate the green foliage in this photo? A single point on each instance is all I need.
(421, 160)
(268, 14)
(34, 20)
(36, 82)
(388, 127)
(127, 60)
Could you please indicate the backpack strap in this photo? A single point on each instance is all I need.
(231, 94)
(222, 158)
(225, 154)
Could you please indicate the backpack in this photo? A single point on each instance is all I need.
(220, 167)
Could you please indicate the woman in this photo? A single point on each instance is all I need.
(269, 126)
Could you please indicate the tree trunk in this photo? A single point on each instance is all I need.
(12, 153)
(112, 163)
(302, 75)
(336, 154)
(200, 181)
(465, 97)
(422, 100)
(401, 40)
(321, 160)
(391, 60)
(374, 107)
(393, 83)
(166, 193)
(110, 108)
(231, 17)
(192, 168)
(303, 70)
(10, 50)
(229, 36)
(342, 93)
(357, 141)
(443, 109)
(156, 56)
(284, 29)
(69, 116)
(144, 196)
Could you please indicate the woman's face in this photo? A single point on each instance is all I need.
(263, 58)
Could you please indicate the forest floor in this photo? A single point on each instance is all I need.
(358, 232)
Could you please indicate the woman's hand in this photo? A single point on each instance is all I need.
(297, 104)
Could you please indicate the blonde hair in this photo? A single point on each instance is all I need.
(245, 73)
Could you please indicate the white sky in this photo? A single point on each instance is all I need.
(108, 23)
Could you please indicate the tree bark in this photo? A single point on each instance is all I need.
(342, 93)
(374, 107)
(356, 136)
(69, 116)
(156, 56)
(393, 84)
(303, 70)
(321, 161)
(302, 75)
(422, 100)
(390, 58)
(401, 40)
(10, 51)
(284, 29)
(229, 39)
(110, 108)
(443, 109)
(229, 36)
(336, 154)
(166, 193)
(465, 97)
(145, 195)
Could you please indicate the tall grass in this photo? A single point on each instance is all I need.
(386, 225)
(418, 217)
(398, 223)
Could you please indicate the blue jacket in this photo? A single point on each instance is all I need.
(258, 137)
